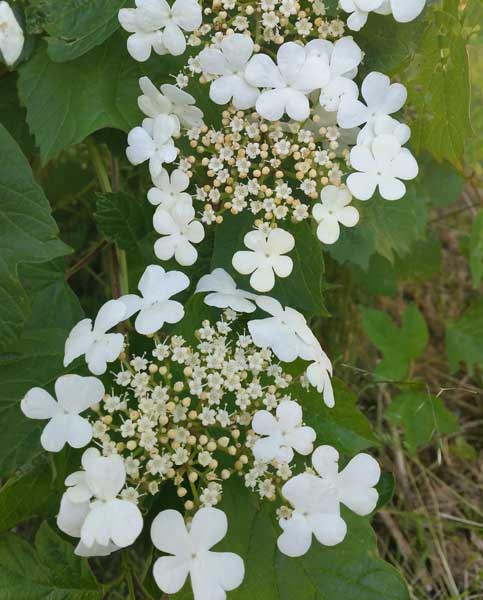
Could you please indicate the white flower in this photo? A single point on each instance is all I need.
(224, 293)
(383, 165)
(359, 10)
(155, 307)
(153, 141)
(333, 210)
(355, 483)
(74, 394)
(265, 258)
(170, 189)
(289, 81)
(315, 512)
(171, 101)
(147, 20)
(212, 573)
(286, 332)
(344, 57)
(285, 433)
(98, 346)
(229, 63)
(382, 98)
(318, 375)
(181, 231)
(11, 35)
(98, 516)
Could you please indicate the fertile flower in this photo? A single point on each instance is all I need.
(150, 17)
(355, 485)
(170, 189)
(333, 210)
(104, 519)
(98, 346)
(212, 573)
(11, 35)
(286, 332)
(344, 57)
(295, 75)
(229, 63)
(224, 293)
(285, 433)
(181, 231)
(153, 141)
(266, 257)
(383, 164)
(74, 394)
(155, 307)
(382, 98)
(169, 100)
(315, 512)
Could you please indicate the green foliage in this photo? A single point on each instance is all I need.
(50, 570)
(476, 250)
(422, 416)
(400, 346)
(464, 338)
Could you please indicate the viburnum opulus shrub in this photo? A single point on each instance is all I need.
(195, 416)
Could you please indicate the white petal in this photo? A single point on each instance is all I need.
(328, 230)
(261, 71)
(71, 516)
(348, 216)
(173, 39)
(302, 440)
(185, 253)
(170, 573)
(325, 461)
(289, 414)
(213, 62)
(237, 48)
(187, 14)
(346, 56)
(283, 266)
(215, 573)
(217, 281)
(76, 394)
(297, 104)
(140, 146)
(125, 522)
(291, 59)
(95, 550)
(362, 185)
(266, 449)
(105, 350)
(106, 476)
(405, 165)
(407, 10)
(11, 36)
(245, 262)
(56, 432)
(110, 315)
(79, 340)
(39, 404)
(168, 533)
(356, 484)
(391, 188)
(271, 105)
(262, 279)
(296, 539)
(329, 529)
(209, 526)
(264, 423)
(152, 318)
(280, 241)
(133, 304)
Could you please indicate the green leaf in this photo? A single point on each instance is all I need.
(422, 416)
(77, 26)
(476, 250)
(28, 234)
(51, 571)
(399, 345)
(439, 91)
(438, 182)
(464, 338)
(12, 114)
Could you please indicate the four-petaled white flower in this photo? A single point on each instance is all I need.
(382, 98)
(382, 165)
(265, 258)
(229, 64)
(344, 57)
(103, 521)
(155, 25)
(286, 332)
(153, 141)
(284, 434)
(334, 209)
(98, 346)
(212, 574)
(170, 189)
(11, 35)
(74, 394)
(224, 292)
(155, 307)
(171, 101)
(181, 231)
(295, 75)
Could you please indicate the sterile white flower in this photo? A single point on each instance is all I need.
(169, 100)
(74, 395)
(155, 307)
(382, 165)
(170, 189)
(382, 98)
(284, 433)
(98, 346)
(11, 35)
(334, 209)
(153, 141)
(146, 21)
(102, 520)
(360, 10)
(355, 484)
(224, 292)
(344, 57)
(295, 75)
(212, 573)
(316, 511)
(229, 62)
(265, 258)
(180, 231)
